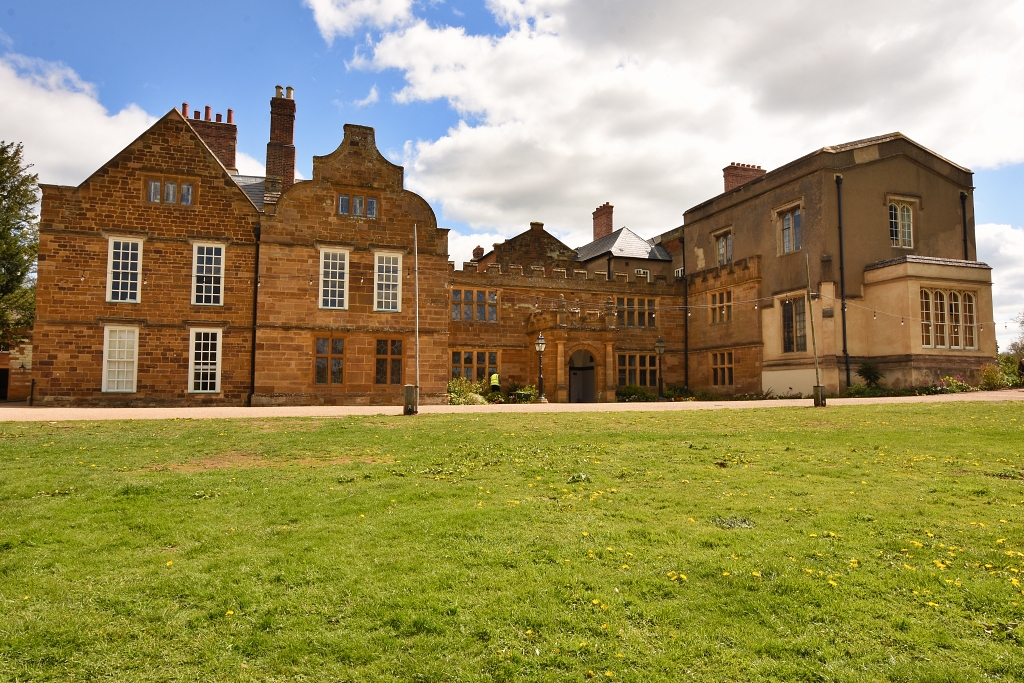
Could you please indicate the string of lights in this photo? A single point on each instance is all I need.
(553, 303)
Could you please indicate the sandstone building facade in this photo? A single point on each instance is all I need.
(167, 278)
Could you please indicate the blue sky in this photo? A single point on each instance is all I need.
(515, 110)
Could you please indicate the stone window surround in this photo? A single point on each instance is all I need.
(218, 363)
(331, 355)
(778, 214)
(475, 366)
(722, 368)
(165, 178)
(916, 205)
(376, 281)
(106, 353)
(720, 310)
(345, 282)
(223, 264)
(727, 234)
(111, 238)
(961, 327)
(346, 200)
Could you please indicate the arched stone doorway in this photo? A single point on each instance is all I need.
(581, 377)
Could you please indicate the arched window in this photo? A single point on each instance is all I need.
(792, 236)
(954, 320)
(926, 318)
(901, 225)
(939, 326)
(906, 227)
(969, 321)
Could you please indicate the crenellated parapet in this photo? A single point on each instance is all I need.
(494, 274)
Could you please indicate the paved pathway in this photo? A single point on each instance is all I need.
(21, 412)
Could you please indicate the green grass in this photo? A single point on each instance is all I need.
(849, 544)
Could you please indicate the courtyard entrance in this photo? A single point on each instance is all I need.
(581, 377)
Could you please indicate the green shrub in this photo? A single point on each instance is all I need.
(992, 377)
(870, 373)
(1008, 366)
(464, 392)
(633, 393)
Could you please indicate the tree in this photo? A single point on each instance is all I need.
(19, 242)
(1016, 347)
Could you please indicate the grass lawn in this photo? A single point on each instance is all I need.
(849, 544)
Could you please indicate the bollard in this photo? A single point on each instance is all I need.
(819, 396)
(412, 404)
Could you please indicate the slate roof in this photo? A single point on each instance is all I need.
(626, 243)
(252, 185)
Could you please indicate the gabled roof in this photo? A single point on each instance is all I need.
(625, 243)
(867, 142)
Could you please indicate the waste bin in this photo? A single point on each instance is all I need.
(412, 403)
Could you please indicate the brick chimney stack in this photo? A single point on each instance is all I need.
(478, 253)
(603, 221)
(281, 148)
(739, 174)
(221, 138)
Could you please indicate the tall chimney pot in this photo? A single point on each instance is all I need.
(231, 116)
(220, 137)
(197, 114)
(184, 109)
(603, 221)
(207, 113)
(289, 93)
(278, 91)
(281, 148)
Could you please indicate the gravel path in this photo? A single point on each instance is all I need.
(19, 412)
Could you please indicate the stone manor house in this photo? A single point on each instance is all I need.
(166, 278)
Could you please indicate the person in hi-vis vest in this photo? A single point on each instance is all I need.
(495, 383)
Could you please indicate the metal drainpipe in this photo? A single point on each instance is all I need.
(255, 305)
(609, 267)
(963, 214)
(842, 274)
(686, 316)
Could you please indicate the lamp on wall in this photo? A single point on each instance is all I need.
(659, 348)
(540, 345)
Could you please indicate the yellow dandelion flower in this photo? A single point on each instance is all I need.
(757, 574)
(229, 612)
(832, 583)
(169, 563)
(725, 573)
(933, 604)
(596, 601)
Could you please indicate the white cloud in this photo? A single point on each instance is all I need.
(248, 165)
(342, 17)
(460, 246)
(1002, 247)
(371, 98)
(67, 133)
(641, 104)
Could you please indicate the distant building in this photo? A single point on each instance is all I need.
(166, 278)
